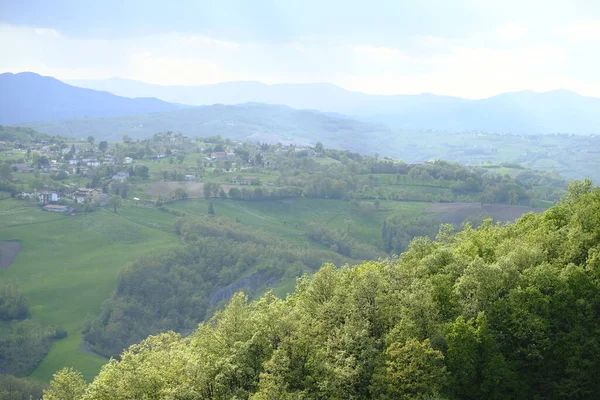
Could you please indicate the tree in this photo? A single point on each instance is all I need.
(67, 384)
(115, 202)
(207, 189)
(142, 171)
(180, 194)
(90, 139)
(5, 172)
(235, 193)
(103, 146)
(222, 194)
(180, 158)
(319, 147)
(413, 370)
(126, 139)
(211, 208)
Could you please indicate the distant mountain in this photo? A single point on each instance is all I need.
(250, 121)
(524, 112)
(324, 97)
(27, 97)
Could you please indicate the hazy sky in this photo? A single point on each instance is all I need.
(468, 48)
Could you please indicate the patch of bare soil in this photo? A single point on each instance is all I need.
(9, 249)
(457, 213)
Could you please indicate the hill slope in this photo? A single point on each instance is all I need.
(29, 97)
(253, 121)
(520, 112)
(503, 312)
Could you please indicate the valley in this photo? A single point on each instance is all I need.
(310, 205)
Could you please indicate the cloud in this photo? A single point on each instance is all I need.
(581, 30)
(503, 58)
(47, 32)
(164, 70)
(512, 32)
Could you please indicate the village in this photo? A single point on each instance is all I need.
(67, 176)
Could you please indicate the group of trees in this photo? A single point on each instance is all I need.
(501, 312)
(23, 344)
(341, 242)
(178, 288)
(13, 304)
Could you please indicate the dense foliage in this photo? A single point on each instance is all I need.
(501, 312)
(19, 134)
(397, 232)
(23, 342)
(12, 303)
(176, 289)
(13, 388)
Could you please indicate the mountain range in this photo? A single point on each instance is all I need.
(525, 112)
(26, 97)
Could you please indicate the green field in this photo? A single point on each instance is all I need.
(68, 266)
(290, 218)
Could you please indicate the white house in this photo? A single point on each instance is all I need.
(46, 197)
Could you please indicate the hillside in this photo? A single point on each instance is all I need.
(252, 121)
(502, 312)
(159, 259)
(26, 97)
(559, 111)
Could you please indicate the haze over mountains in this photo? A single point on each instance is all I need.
(524, 112)
(27, 97)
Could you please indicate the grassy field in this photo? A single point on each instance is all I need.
(68, 266)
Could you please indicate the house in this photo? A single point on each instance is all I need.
(83, 195)
(46, 197)
(190, 177)
(121, 176)
(57, 208)
(127, 160)
(245, 180)
(25, 195)
(219, 156)
(73, 161)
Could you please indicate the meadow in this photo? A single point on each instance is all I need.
(68, 267)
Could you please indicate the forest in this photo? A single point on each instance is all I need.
(504, 311)
(175, 289)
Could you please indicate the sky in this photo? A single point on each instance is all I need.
(466, 48)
